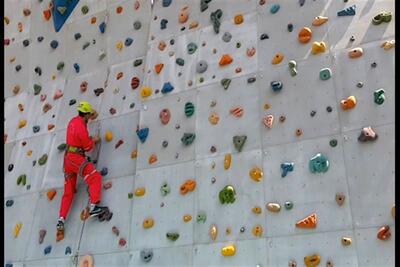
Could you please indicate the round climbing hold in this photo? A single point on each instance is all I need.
(318, 48)
(333, 143)
(85, 9)
(256, 174)
(25, 42)
(213, 180)
(356, 52)
(273, 207)
(148, 223)
(146, 255)
(18, 67)
(312, 113)
(277, 58)
(329, 108)
(36, 128)
(242, 229)
(213, 149)
(238, 45)
(226, 37)
(201, 66)
(137, 25)
(288, 205)
(10, 167)
(238, 19)
(227, 195)
(180, 61)
(164, 143)
(54, 44)
(373, 64)
(9, 203)
(325, 74)
(191, 48)
(319, 164)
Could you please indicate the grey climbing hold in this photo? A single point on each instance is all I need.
(137, 25)
(137, 62)
(166, 3)
(290, 27)
(264, 36)
(85, 45)
(180, 61)
(239, 141)
(36, 89)
(204, 5)
(201, 66)
(163, 24)
(36, 128)
(292, 67)
(251, 80)
(226, 37)
(215, 19)
(146, 255)
(191, 48)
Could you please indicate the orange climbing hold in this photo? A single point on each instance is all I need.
(20, 27)
(305, 35)
(277, 58)
(50, 127)
(120, 75)
(257, 230)
(225, 60)
(251, 51)
(134, 154)
(193, 25)
(152, 158)
(119, 9)
(384, 233)
(348, 103)
(51, 194)
(318, 21)
(184, 14)
(93, 20)
(308, 222)
(237, 112)
(238, 19)
(148, 223)
(158, 67)
(356, 52)
(187, 186)
(162, 45)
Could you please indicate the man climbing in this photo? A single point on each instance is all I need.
(75, 163)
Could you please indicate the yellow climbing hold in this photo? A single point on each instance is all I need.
(318, 47)
(193, 24)
(148, 223)
(140, 191)
(277, 58)
(256, 174)
(238, 19)
(346, 241)
(146, 91)
(318, 21)
(17, 229)
(393, 211)
(108, 136)
(119, 45)
(21, 123)
(228, 250)
(388, 44)
(134, 154)
(257, 230)
(29, 153)
(213, 232)
(312, 260)
(187, 218)
(227, 161)
(273, 207)
(256, 210)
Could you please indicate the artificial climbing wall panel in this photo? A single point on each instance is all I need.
(234, 133)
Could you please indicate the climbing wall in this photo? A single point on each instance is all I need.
(240, 132)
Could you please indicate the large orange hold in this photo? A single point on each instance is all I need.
(225, 60)
(188, 186)
(384, 233)
(356, 52)
(152, 158)
(308, 222)
(184, 14)
(158, 67)
(51, 194)
(238, 19)
(47, 14)
(305, 35)
(348, 103)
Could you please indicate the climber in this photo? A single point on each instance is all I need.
(75, 163)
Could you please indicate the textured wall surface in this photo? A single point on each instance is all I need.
(308, 118)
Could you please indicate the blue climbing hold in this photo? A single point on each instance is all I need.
(104, 171)
(68, 251)
(167, 87)
(9, 203)
(276, 86)
(59, 18)
(166, 3)
(350, 11)
(47, 250)
(286, 167)
(36, 128)
(76, 67)
(102, 27)
(163, 24)
(275, 8)
(8, 265)
(142, 134)
(54, 44)
(128, 41)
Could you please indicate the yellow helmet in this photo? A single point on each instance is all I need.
(85, 107)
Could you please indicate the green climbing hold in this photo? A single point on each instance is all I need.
(238, 45)
(36, 89)
(165, 189)
(173, 236)
(21, 179)
(238, 142)
(137, 62)
(292, 67)
(225, 83)
(325, 74)
(85, 9)
(180, 61)
(130, 195)
(188, 138)
(201, 217)
(333, 143)
(43, 160)
(227, 195)
(62, 147)
(189, 109)
(60, 65)
(379, 96)
(319, 163)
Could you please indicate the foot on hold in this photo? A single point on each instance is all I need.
(96, 210)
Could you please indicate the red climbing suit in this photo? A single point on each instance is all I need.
(74, 163)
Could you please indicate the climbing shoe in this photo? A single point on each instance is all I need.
(60, 224)
(96, 210)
